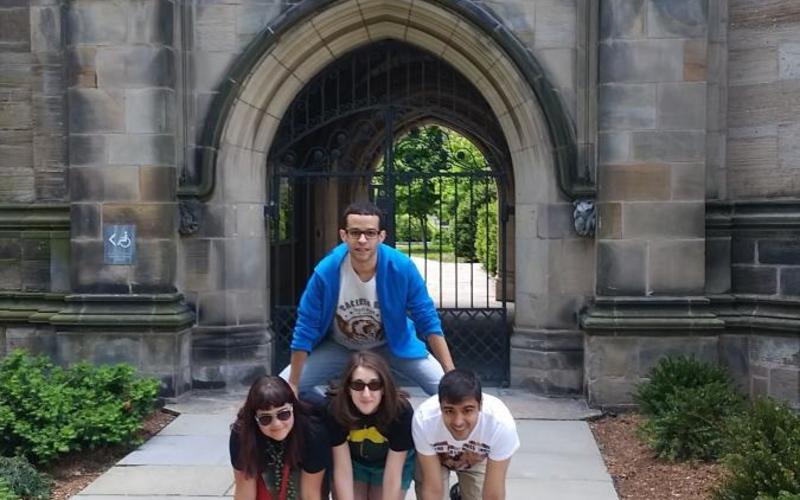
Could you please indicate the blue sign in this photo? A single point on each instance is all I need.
(119, 242)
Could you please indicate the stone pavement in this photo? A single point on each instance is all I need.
(188, 459)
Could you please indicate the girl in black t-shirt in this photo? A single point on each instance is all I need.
(278, 451)
(369, 422)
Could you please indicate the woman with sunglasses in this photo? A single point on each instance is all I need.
(370, 432)
(278, 451)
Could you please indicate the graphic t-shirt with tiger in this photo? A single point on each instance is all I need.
(357, 322)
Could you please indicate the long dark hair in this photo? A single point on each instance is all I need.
(265, 393)
(393, 401)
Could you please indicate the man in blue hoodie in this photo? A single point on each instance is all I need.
(366, 295)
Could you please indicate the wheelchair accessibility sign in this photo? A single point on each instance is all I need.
(119, 242)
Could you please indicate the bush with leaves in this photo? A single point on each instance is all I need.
(691, 423)
(487, 237)
(5, 491)
(47, 411)
(687, 404)
(763, 454)
(783, 495)
(22, 480)
(672, 375)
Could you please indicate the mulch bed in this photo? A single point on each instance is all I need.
(74, 472)
(639, 475)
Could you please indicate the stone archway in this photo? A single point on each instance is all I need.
(277, 66)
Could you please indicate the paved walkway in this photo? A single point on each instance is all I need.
(188, 459)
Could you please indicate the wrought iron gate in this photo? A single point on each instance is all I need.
(338, 143)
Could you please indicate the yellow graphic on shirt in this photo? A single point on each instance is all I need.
(368, 445)
(368, 434)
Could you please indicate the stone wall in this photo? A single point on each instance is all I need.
(763, 117)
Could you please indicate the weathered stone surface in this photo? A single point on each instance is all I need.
(752, 279)
(668, 145)
(733, 355)
(609, 221)
(784, 385)
(155, 267)
(555, 23)
(153, 220)
(15, 29)
(677, 18)
(776, 251)
(677, 267)
(610, 392)
(46, 28)
(150, 111)
(789, 61)
(555, 221)
(718, 265)
(641, 61)
(775, 351)
(87, 150)
(629, 106)
(759, 65)
(96, 110)
(612, 356)
(151, 21)
(136, 66)
(157, 183)
(36, 248)
(97, 22)
(640, 181)
(620, 268)
(789, 146)
(141, 149)
(215, 27)
(613, 147)
(682, 106)
(652, 351)
(10, 248)
(677, 220)
(10, 276)
(16, 115)
(36, 275)
(687, 181)
(790, 281)
(104, 183)
(622, 19)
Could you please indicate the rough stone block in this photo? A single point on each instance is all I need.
(641, 61)
(82, 71)
(18, 159)
(682, 106)
(621, 268)
(46, 28)
(157, 183)
(243, 257)
(677, 267)
(781, 352)
(789, 61)
(150, 111)
(151, 22)
(639, 181)
(784, 385)
(675, 145)
(36, 275)
(59, 265)
(630, 106)
(136, 66)
(789, 145)
(10, 249)
(152, 220)
(85, 220)
(97, 22)
(790, 281)
(733, 354)
(216, 309)
(752, 279)
(701, 348)
(613, 147)
(611, 356)
(10, 276)
(16, 115)
(96, 110)
(758, 65)
(677, 18)
(18, 188)
(15, 29)
(36, 248)
(555, 23)
(610, 392)
(779, 251)
(87, 150)
(154, 271)
(687, 181)
(718, 265)
(555, 221)
(251, 307)
(215, 27)
(676, 220)
(194, 260)
(89, 275)
(622, 19)
(141, 150)
(609, 221)
(104, 183)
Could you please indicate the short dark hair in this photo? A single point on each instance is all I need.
(458, 385)
(362, 208)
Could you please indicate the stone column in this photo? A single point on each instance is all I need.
(652, 106)
(122, 171)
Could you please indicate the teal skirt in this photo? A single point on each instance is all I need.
(373, 475)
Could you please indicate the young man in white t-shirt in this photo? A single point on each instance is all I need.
(465, 431)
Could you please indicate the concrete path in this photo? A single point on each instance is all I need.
(188, 460)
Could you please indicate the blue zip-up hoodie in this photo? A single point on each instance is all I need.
(406, 307)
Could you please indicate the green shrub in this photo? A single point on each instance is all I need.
(783, 495)
(47, 411)
(691, 422)
(22, 480)
(673, 375)
(487, 237)
(5, 491)
(763, 454)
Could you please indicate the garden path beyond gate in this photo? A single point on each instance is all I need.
(352, 133)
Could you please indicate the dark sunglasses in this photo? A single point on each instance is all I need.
(266, 418)
(359, 385)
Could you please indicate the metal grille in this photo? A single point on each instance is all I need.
(338, 144)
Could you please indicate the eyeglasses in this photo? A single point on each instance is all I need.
(359, 385)
(355, 234)
(264, 419)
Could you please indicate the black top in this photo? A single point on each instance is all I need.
(370, 446)
(314, 456)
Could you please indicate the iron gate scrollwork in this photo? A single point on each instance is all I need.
(339, 142)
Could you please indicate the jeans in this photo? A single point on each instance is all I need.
(328, 360)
